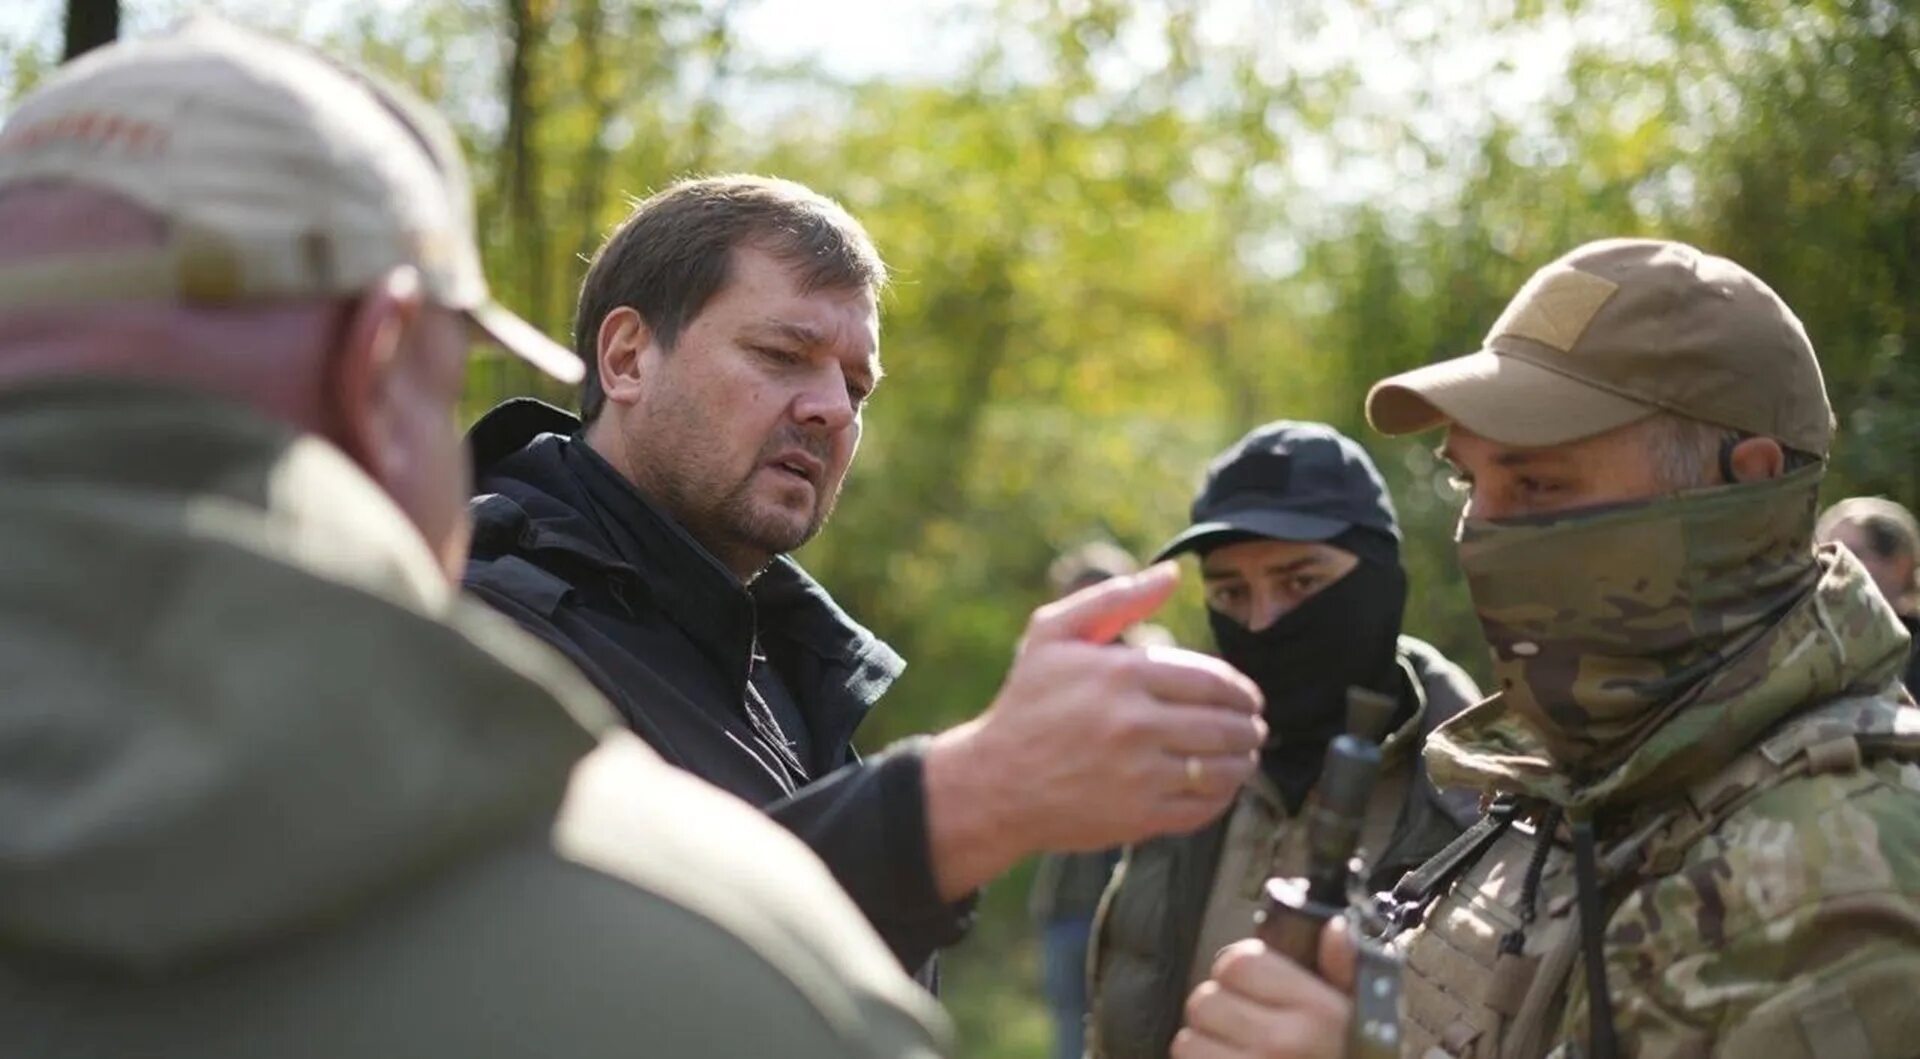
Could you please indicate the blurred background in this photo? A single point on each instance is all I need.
(1125, 232)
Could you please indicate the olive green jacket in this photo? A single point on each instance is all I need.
(268, 787)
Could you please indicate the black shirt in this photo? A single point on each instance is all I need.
(777, 705)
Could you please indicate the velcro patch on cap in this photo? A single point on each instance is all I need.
(1555, 307)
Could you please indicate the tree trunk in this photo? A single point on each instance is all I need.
(90, 23)
(590, 174)
(522, 162)
(706, 115)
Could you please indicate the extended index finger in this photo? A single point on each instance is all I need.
(1102, 612)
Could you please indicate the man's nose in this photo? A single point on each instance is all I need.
(825, 403)
(1267, 609)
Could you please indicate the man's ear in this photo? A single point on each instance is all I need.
(1903, 570)
(1757, 459)
(625, 342)
(364, 411)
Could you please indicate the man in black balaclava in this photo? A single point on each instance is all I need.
(1300, 555)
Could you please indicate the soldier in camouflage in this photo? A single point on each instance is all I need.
(1703, 835)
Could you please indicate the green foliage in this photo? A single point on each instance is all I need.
(1113, 257)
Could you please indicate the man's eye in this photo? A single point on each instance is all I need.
(1227, 596)
(1300, 586)
(778, 355)
(1535, 485)
(858, 393)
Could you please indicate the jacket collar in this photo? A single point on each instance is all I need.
(568, 499)
(1412, 729)
(683, 579)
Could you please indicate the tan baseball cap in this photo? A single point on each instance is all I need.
(279, 173)
(1614, 332)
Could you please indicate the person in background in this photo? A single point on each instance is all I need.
(1883, 536)
(1067, 886)
(731, 330)
(1300, 560)
(269, 784)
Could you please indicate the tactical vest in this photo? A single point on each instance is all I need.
(1488, 975)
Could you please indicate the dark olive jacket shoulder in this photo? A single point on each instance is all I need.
(667, 633)
(270, 787)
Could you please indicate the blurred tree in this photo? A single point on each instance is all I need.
(90, 23)
(522, 211)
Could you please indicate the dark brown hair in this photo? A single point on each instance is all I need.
(674, 253)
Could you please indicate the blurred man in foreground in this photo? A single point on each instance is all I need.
(731, 332)
(1884, 537)
(1300, 554)
(1706, 838)
(268, 786)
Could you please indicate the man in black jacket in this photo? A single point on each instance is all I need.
(732, 339)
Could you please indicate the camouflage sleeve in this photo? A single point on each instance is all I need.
(1794, 932)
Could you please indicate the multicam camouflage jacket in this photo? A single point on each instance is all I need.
(1769, 902)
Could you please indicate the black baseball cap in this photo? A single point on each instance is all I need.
(1289, 481)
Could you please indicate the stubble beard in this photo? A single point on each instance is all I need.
(740, 528)
(673, 463)
(768, 527)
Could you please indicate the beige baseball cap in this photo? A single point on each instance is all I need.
(1614, 332)
(279, 173)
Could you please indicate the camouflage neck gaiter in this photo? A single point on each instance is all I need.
(1604, 623)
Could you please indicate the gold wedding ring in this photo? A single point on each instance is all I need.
(1194, 773)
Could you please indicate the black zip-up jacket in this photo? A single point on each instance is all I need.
(566, 547)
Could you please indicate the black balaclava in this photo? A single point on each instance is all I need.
(1344, 636)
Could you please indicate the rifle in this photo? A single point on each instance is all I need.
(1296, 909)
